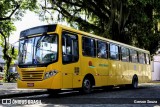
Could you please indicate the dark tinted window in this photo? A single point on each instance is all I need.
(89, 47)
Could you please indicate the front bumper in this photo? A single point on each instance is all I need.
(53, 82)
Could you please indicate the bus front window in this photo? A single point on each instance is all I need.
(46, 49)
(26, 51)
(38, 50)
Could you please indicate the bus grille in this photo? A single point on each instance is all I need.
(32, 75)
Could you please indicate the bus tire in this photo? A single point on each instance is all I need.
(134, 82)
(86, 86)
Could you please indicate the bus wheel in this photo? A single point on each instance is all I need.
(86, 86)
(135, 82)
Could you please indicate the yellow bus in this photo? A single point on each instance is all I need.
(56, 57)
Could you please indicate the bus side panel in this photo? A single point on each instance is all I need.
(148, 73)
(71, 76)
(125, 72)
(132, 71)
(118, 73)
(122, 72)
(140, 72)
(145, 73)
(143, 70)
(102, 67)
(90, 69)
(112, 72)
(77, 81)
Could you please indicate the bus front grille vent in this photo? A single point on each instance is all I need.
(32, 75)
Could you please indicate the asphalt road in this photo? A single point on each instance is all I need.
(147, 95)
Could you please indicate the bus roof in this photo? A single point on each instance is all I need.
(98, 37)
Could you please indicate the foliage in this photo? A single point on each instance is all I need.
(132, 22)
(10, 11)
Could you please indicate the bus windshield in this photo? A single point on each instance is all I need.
(38, 50)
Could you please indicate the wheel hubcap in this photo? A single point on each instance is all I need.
(87, 84)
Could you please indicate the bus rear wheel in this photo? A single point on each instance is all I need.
(134, 82)
(86, 86)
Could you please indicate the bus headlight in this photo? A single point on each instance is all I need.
(49, 74)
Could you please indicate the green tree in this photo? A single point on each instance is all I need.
(128, 21)
(10, 11)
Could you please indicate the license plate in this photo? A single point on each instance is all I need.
(30, 84)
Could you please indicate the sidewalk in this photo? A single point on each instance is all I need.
(10, 90)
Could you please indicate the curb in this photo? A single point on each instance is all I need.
(22, 94)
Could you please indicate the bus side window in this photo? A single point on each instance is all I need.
(102, 49)
(89, 47)
(114, 54)
(141, 58)
(125, 54)
(134, 56)
(69, 47)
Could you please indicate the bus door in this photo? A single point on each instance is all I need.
(70, 58)
(102, 62)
